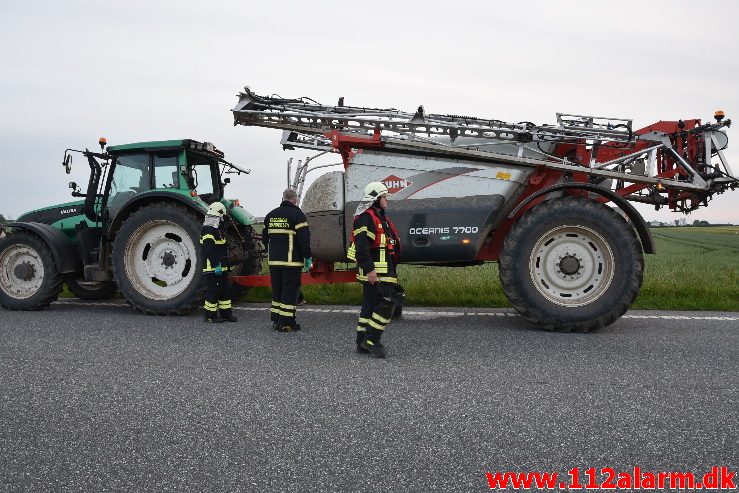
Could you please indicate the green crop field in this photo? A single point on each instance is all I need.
(694, 269)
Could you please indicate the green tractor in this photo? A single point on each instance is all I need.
(136, 229)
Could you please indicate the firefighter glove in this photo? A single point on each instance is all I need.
(218, 270)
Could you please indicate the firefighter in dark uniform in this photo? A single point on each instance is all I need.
(215, 267)
(287, 238)
(375, 247)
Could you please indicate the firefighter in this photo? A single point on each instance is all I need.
(215, 267)
(287, 238)
(375, 247)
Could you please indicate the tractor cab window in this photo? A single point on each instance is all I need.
(166, 171)
(202, 174)
(130, 177)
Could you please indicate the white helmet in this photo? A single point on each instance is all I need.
(216, 209)
(374, 191)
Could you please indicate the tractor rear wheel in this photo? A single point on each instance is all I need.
(156, 259)
(93, 291)
(571, 265)
(28, 274)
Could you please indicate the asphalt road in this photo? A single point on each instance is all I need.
(99, 398)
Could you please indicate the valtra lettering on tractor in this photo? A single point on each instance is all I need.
(136, 229)
(467, 190)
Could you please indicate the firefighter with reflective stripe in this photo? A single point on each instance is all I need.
(375, 247)
(287, 238)
(215, 267)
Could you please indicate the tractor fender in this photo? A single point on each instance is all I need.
(147, 198)
(66, 256)
(640, 225)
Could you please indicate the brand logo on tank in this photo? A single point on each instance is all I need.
(395, 184)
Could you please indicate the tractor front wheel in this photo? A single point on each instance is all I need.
(28, 275)
(156, 259)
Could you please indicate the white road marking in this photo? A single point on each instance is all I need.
(423, 315)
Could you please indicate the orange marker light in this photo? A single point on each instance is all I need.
(465, 241)
(193, 193)
(102, 141)
(237, 202)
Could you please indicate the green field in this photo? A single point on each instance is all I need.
(694, 269)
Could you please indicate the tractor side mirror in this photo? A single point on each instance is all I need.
(75, 189)
(67, 163)
(226, 181)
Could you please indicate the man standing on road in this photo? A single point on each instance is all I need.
(215, 267)
(375, 247)
(287, 237)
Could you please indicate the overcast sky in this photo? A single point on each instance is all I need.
(132, 71)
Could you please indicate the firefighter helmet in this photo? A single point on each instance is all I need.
(374, 191)
(216, 209)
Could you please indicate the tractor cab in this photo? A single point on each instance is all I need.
(123, 173)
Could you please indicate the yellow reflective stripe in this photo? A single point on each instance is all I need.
(208, 304)
(351, 254)
(280, 263)
(301, 225)
(282, 305)
(212, 269)
(286, 314)
(224, 304)
(211, 237)
(280, 231)
(290, 249)
(376, 325)
(380, 319)
(389, 280)
(275, 310)
(383, 240)
(361, 329)
(364, 229)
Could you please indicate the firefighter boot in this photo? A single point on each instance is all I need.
(290, 326)
(228, 316)
(212, 317)
(373, 345)
(360, 339)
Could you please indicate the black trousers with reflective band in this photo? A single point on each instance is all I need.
(285, 290)
(217, 293)
(376, 311)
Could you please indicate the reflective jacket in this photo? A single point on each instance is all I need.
(286, 235)
(213, 249)
(375, 245)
